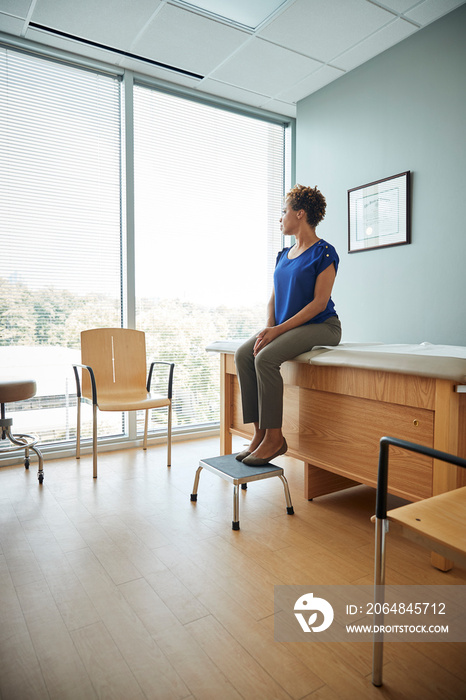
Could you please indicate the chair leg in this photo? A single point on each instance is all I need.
(289, 505)
(78, 429)
(196, 484)
(94, 440)
(146, 426)
(169, 434)
(377, 649)
(23, 440)
(40, 471)
(235, 521)
(169, 437)
(20, 440)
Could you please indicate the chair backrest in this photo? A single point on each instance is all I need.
(118, 359)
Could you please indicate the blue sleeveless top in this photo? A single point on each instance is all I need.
(294, 281)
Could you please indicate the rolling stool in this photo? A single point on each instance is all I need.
(18, 390)
(229, 469)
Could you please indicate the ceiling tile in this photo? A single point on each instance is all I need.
(249, 14)
(400, 5)
(187, 40)
(375, 44)
(288, 110)
(71, 46)
(265, 68)
(321, 77)
(17, 8)
(114, 23)
(231, 92)
(11, 25)
(168, 76)
(323, 29)
(430, 10)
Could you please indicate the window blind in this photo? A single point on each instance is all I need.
(60, 235)
(208, 197)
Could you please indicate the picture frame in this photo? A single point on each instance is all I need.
(379, 214)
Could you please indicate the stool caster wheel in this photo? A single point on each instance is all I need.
(194, 496)
(235, 525)
(26, 464)
(41, 478)
(244, 486)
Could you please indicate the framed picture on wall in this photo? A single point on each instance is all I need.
(379, 214)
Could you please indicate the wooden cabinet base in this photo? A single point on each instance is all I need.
(319, 482)
(334, 418)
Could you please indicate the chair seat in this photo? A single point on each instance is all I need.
(437, 522)
(131, 402)
(17, 390)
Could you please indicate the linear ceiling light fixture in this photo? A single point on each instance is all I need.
(88, 42)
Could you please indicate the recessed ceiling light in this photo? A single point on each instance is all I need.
(243, 13)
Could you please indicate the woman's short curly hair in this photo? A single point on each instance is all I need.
(311, 200)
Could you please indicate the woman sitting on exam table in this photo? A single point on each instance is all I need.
(300, 315)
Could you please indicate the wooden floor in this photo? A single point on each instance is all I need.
(120, 587)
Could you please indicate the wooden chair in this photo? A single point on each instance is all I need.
(438, 523)
(114, 379)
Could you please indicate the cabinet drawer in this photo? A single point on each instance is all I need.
(342, 433)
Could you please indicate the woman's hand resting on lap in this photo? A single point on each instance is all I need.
(264, 337)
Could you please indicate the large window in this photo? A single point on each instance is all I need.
(208, 187)
(208, 195)
(60, 233)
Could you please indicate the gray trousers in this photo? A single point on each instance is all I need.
(259, 377)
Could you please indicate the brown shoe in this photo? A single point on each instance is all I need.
(241, 455)
(260, 462)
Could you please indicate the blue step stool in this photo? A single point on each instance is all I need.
(237, 473)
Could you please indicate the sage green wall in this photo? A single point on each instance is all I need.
(403, 110)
